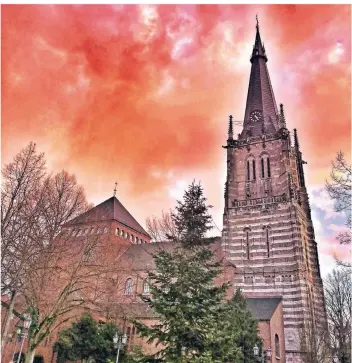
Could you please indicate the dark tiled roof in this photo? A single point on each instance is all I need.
(140, 256)
(111, 209)
(136, 310)
(263, 308)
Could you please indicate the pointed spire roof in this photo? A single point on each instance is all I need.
(261, 115)
(111, 209)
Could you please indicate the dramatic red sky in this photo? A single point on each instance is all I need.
(142, 94)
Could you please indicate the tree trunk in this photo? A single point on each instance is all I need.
(30, 355)
(8, 319)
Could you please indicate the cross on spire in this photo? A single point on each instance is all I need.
(256, 18)
(115, 189)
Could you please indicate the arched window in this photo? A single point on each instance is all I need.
(145, 287)
(132, 238)
(253, 165)
(129, 331)
(98, 230)
(105, 230)
(129, 287)
(265, 163)
(137, 240)
(121, 233)
(248, 171)
(277, 347)
(92, 230)
(117, 232)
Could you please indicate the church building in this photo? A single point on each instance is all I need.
(268, 242)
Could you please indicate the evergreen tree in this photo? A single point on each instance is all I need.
(239, 331)
(183, 293)
(87, 339)
(195, 324)
(192, 219)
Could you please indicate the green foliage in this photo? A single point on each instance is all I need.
(192, 219)
(38, 359)
(239, 331)
(87, 339)
(186, 299)
(195, 324)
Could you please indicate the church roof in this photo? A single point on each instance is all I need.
(263, 308)
(140, 256)
(111, 209)
(260, 96)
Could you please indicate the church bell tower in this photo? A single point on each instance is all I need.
(268, 232)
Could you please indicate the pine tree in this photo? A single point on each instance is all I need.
(196, 324)
(183, 293)
(192, 219)
(239, 330)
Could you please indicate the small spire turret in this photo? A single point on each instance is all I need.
(282, 116)
(230, 132)
(295, 139)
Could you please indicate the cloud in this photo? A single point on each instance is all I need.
(107, 91)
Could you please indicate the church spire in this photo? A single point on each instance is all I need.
(261, 115)
(258, 49)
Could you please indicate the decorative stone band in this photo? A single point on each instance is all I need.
(259, 201)
(250, 140)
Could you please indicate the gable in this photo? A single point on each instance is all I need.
(111, 209)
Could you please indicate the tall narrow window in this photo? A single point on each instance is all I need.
(128, 287)
(267, 241)
(262, 162)
(277, 347)
(247, 244)
(253, 164)
(248, 171)
(145, 287)
(268, 162)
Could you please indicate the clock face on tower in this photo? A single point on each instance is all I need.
(255, 116)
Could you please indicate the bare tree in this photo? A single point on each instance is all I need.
(34, 208)
(338, 307)
(314, 343)
(59, 286)
(161, 229)
(21, 196)
(340, 190)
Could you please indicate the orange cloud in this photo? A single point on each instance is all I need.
(120, 91)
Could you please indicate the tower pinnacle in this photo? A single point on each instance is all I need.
(282, 116)
(230, 128)
(296, 139)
